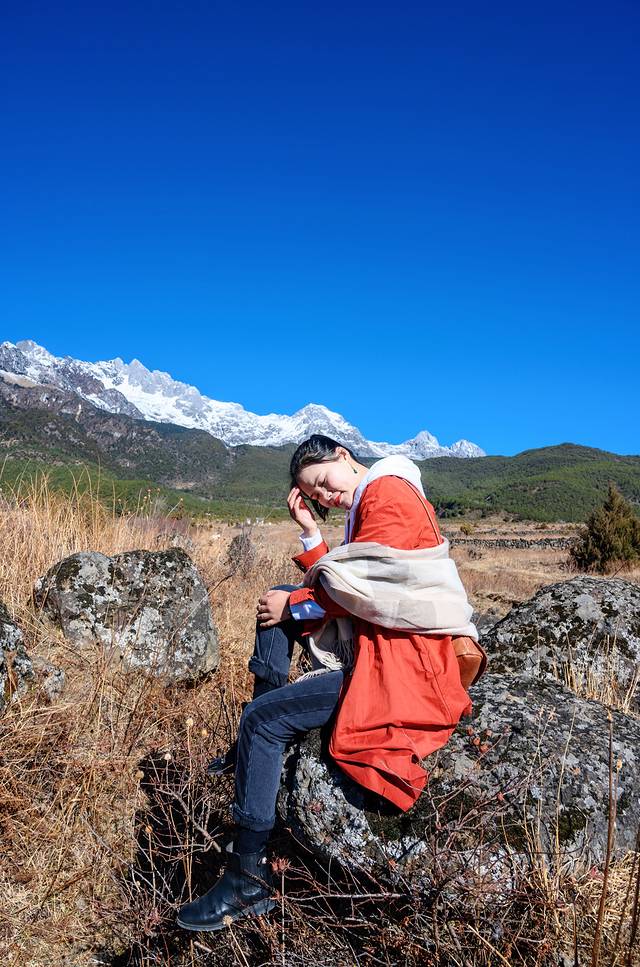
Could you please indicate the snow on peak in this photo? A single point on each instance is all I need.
(464, 448)
(134, 390)
(35, 351)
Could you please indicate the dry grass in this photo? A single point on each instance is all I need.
(107, 821)
(502, 577)
(600, 681)
(71, 785)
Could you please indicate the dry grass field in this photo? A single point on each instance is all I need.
(495, 578)
(107, 821)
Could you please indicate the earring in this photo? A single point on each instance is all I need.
(354, 469)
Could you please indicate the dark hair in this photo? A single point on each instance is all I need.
(317, 449)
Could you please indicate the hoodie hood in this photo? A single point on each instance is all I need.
(394, 466)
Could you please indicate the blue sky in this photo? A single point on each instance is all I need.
(424, 216)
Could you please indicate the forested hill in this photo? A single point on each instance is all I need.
(47, 429)
(563, 482)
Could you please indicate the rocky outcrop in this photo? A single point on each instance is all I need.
(524, 780)
(587, 627)
(527, 774)
(16, 668)
(485, 621)
(150, 608)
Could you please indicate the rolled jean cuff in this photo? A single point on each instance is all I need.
(261, 670)
(250, 822)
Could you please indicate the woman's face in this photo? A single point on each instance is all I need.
(332, 483)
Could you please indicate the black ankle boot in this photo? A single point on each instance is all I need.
(243, 890)
(223, 764)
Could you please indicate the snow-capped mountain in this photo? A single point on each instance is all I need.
(133, 390)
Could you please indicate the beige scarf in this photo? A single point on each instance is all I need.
(405, 590)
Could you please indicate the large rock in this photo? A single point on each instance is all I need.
(525, 779)
(527, 774)
(586, 630)
(149, 607)
(16, 668)
(485, 621)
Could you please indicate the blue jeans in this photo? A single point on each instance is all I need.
(279, 714)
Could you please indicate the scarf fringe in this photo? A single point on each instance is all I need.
(340, 656)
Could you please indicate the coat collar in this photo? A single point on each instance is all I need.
(393, 466)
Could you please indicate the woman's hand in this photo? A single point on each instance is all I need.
(273, 607)
(300, 512)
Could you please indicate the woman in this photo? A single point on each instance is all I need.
(383, 618)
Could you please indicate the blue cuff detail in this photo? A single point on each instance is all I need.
(306, 610)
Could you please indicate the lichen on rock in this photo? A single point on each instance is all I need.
(16, 668)
(149, 608)
(587, 628)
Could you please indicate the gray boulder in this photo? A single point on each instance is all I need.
(150, 608)
(485, 621)
(16, 668)
(527, 775)
(581, 631)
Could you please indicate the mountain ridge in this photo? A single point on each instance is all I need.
(59, 433)
(133, 390)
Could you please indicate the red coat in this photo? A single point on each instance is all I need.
(403, 697)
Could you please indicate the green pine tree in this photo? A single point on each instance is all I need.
(611, 536)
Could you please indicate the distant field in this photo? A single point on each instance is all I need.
(495, 578)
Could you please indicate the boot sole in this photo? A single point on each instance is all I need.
(257, 910)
